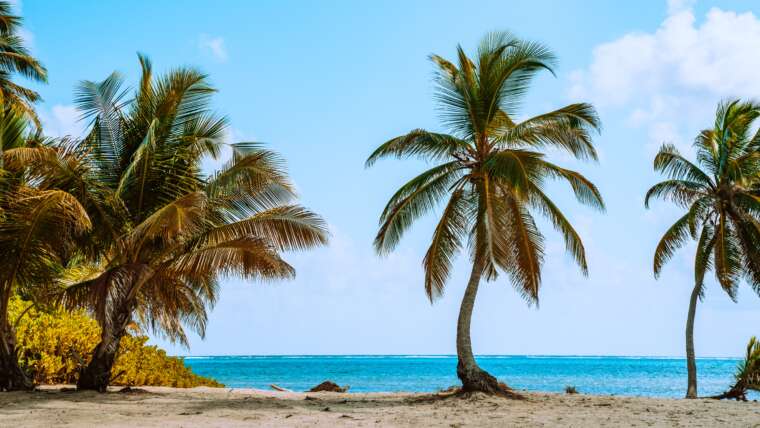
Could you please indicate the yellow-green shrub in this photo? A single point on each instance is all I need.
(53, 346)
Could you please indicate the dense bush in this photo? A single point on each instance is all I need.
(55, 344)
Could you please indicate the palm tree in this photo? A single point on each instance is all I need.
(747, 377)
(16, 59)
(38, 228)
(490, 170)
(721, 194)
(165, 231)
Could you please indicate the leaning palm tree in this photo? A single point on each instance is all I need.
(15, 58)
(720, 194)
(747, 377)
(490, 170)
(165, 232)
(38, 229)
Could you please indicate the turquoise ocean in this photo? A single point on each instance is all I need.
(632, 376)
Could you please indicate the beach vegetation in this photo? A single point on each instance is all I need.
(747, 377)
(55, 344)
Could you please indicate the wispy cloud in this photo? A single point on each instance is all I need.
(213, 45)
(61, 121)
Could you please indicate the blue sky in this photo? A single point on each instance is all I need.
(326, 82)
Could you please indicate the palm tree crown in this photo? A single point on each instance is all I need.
(490, 167)
(721, 194)
(15, 58)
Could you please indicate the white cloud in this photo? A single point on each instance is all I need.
(675, 6)
(214, 46)
(718, 57)
(670, 80)
(61, 121)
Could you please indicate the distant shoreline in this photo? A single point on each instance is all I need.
(654, 357)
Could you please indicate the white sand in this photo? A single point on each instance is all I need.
(210, 407)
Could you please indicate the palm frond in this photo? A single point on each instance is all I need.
(37, 233)
(585, 191)
(670, 162)
(682, 193)
(286, 228)
(413, 200)
(419, 143)
(573, 243)
(703, 258)
(446, 243)
(674, 238)
(728, 265)
(528, 248)
(566, 128)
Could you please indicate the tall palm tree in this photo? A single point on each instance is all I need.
(15, 58)
(38, 228)
(165, 231)
(490, 170)
(721, 194)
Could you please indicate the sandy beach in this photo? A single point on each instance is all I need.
(212, 407)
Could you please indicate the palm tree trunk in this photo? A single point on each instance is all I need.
(472, 376)
(96, 375)
(691, 364)
(12, 376)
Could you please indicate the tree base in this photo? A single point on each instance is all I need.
(13, 377)
(96, 376)
(474, 379)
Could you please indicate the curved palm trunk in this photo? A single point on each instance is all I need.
(12, 376)
(472, 376)
(96, 375)
(691, 364)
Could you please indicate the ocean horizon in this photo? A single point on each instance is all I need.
(646, 376)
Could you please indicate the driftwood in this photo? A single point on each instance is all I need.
(328, 386)
(279, 388)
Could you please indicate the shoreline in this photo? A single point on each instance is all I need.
(205, 406)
